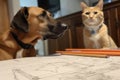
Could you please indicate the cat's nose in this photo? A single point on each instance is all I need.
(91, 17)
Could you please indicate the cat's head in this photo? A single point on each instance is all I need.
(92, 16)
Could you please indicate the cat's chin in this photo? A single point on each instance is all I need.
(90, 24)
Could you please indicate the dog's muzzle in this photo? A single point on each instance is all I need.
(56, 31)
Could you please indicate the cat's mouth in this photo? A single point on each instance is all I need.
(92, 22)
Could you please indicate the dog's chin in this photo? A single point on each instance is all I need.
(52, 36)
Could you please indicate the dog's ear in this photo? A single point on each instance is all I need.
(19, 21)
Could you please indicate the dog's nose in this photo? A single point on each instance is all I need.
(64, 26)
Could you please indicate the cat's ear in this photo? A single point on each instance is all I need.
(83, 5)
(100, 4)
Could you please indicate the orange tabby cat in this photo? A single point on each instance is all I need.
(95, 31)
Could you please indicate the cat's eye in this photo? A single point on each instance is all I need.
(87, 13)
(95, 12)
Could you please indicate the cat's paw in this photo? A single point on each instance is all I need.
(106, 48)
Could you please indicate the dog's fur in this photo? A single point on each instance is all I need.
(27, 26)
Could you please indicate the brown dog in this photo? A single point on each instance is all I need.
(27, 26)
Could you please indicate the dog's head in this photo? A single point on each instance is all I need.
(35, 19)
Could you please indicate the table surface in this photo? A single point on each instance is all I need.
(61, 68)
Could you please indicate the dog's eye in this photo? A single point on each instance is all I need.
(44, 13)
(52, 15)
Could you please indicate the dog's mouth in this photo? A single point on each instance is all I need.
(56, 31)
